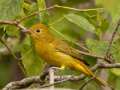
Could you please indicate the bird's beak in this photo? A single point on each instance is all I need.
(26, 31)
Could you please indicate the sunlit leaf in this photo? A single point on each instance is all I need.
(97, 47)
(10, 9)
(116, 71)
(80, 21)
(112, 6)
(43, 15)
(117, 84)
(32, 62)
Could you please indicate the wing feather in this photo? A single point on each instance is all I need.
(64, 47)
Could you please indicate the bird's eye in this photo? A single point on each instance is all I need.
(37, 30)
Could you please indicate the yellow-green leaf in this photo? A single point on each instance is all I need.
(80, 21)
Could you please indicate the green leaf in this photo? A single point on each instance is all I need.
(43, 14)
(116, 71)
(117, 84)
(32, 62)
(97, 47)
(9, 9)
(69, 39)
(11, 30)
(113, 7)
(80, 21)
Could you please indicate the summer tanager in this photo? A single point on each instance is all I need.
(57, 52)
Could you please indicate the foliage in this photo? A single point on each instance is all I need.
(113, 7)
(10, 9)
(77, 26)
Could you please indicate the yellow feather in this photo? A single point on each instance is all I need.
(50, 49)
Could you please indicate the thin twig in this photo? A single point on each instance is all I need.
(57, 6)
(111, 41)
(14, 56)
(85, 83)
(34, 14)
(79, 10)
(13, 22)
(16, 22)
(8, 48)
(112, 38)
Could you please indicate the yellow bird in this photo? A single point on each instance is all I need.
(56, 52)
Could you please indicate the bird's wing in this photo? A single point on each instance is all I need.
(64, 47)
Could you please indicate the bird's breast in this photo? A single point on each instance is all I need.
(52, 56)
(46, 51)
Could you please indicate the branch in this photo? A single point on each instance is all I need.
(59, 79)
(13, 22)
(21, 27)
(111, 41)
(58, 6)
(23, 83)
(17, 22)
(106, 66)
(35, 13)
(28, 81)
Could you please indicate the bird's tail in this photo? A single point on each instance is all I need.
(82, 67)
(100, 81)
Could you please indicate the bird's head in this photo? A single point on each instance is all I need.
(39, 32)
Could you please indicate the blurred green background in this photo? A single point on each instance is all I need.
(91, 26)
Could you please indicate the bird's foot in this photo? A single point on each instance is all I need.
(58, 68)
